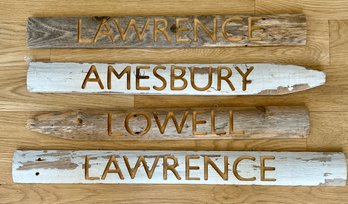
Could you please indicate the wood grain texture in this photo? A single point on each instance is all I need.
(327, 104)
(219, 123)
(186, 167)
(330, 97)
(13, 63)
(124, 7)
(314, 53)
(321, 9)
(335, 137)
(282, 6)
(82, 193)
(172, 79)
(166, 32)
(14, 135)
(338, 39)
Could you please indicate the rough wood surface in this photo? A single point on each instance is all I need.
(218, 123)
(165, 31)
(176, 79)
(327, 104)
(185, 167)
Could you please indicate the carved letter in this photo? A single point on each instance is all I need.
(156, 29)
(251, 28)
(179, 29)
(109, 125)
(131, 115)
(231, 122)
(225, 78)
(172, 167)
(245, 75)
(108, 32)
(96, 79)
(192, 71)
(264, 168)
(208, 161)
(141, 159)
(188, 167)
(79, 33)
(212, 123)
(195, 122)
(87, 177)
(139, 76)
(173, 77)
(127, 71)
(164, 82)
(132, 22)
(116, 170)
(227, 37)
(171, 115)
(212, 34)
(235, 166)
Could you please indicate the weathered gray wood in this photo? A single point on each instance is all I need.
(110, 32)
(236, 123)
(171, 79)
(180, 167)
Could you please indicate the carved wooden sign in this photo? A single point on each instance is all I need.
(167, 79)
(180, 167)
(236, 123)
(166, 31)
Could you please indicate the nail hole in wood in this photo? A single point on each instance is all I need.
(39, 159)
(173, 28)
(37, 173)
(100, 18)
(79, 120)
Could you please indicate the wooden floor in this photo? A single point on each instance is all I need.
(326, 50)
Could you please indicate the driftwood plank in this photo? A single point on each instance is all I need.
(167, 79)
(180, 167)
(166, 31)
(236, 123)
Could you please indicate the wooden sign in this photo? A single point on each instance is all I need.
(171, 79)
(166, 31)
(236, 123)
(180, 167)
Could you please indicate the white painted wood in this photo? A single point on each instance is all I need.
(264, 79)
(291, 168)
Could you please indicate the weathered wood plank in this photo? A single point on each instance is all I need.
(174, 167)
(176, 79)
(166, 31)
(237, 123)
